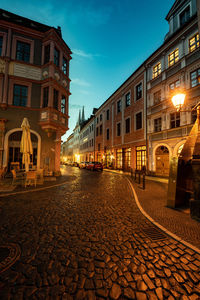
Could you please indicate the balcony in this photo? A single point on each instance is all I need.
(52, 121)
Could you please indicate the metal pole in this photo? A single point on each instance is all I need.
(143, 181)
(139, 177)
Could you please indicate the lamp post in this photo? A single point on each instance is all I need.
(188, 170)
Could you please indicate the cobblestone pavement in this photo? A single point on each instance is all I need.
(88, 240)
(153, 200)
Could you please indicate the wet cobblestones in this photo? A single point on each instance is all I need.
(85, 240)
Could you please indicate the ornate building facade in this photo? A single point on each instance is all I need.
(34, 83)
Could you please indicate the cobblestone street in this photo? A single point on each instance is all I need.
(88, 240)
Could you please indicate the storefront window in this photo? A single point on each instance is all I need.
(140, 157)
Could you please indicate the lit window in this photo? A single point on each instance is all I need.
(119, 106)
(56, 57)
(63, 104)
(174, 84)
(64, 66)
(195, 78)
(128, 99)
(194, 43)
(140, 157)
(173, 57)
(20, 95)
(156, 70)
(157, 97)
(157, 124)
(23, 51)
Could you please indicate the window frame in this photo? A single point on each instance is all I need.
(183, 12)
(48, 57)
(65, 65)
(63, 106)
(20, 100)
(176, 120)
(128, 118)
(119, 123)
(24, 40)
(196, 43)
(175, 85)
(56, 59)
(44, 99)
(156, 70)
(157, 100)
(158, 126)
(128, 99)
(107, 134)
(119, 106)
(138, 94)
(3, 49)
(173, 57)
(137, 113)
(108, 114)
(56, 100)
(197, 78)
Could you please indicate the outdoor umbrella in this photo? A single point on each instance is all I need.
(26, 145)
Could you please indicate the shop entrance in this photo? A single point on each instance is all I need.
(162, 161)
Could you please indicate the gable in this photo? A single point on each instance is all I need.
(175, 7)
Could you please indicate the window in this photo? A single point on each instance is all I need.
(108, 114)
(139, 120)
(55, 99)
(138, 91)
(1, 44)
(173, 57)
(23, 51)
(99, 147)
(97, 131)
(100, 129)
(20, 95)
(157, 124)
(119, 106)
(45, 96)
(140, 157)
(64, 65)
(194, 42)
(63, 104)
(157, 97)
(128, 125)
(97, 120)
(92, 127)
(174, 84)
(46, 54)
(175, 120)
(128, 99)
(118, 129)
(156, 70)
(184, 16)
(56, 57)
(195, 78)
(100, 117)
(107, 134)
(193, 116)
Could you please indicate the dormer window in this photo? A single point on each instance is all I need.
(185, 16)
(156, 70)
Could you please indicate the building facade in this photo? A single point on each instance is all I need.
(34, 83)
(87, 140)
(173, 68)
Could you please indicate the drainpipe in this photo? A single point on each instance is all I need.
(145, 99)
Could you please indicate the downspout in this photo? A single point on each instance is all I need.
(146, 138)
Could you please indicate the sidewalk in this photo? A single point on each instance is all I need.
(153, 201)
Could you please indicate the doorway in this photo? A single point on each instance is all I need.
(162, 161)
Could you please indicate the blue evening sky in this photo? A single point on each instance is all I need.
(109, 40)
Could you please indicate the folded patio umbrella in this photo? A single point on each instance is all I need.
(26, 145)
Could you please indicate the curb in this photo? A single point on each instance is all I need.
(174, 236)
(34, 190)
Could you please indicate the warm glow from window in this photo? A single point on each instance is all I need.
(156, 70)
(194, 42)
(173, 57)
(178, 101)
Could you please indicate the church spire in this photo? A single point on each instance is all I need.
(83, 115)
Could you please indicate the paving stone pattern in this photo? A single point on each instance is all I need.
(85, 240)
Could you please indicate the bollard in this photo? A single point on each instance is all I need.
(135, 176)
(131, 173)
(139, 177)
(143, 185)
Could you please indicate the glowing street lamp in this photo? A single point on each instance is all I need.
(178, 100)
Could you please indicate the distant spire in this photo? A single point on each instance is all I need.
(83, 115)
(79, 118)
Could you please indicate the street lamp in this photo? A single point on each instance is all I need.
(186, 169)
